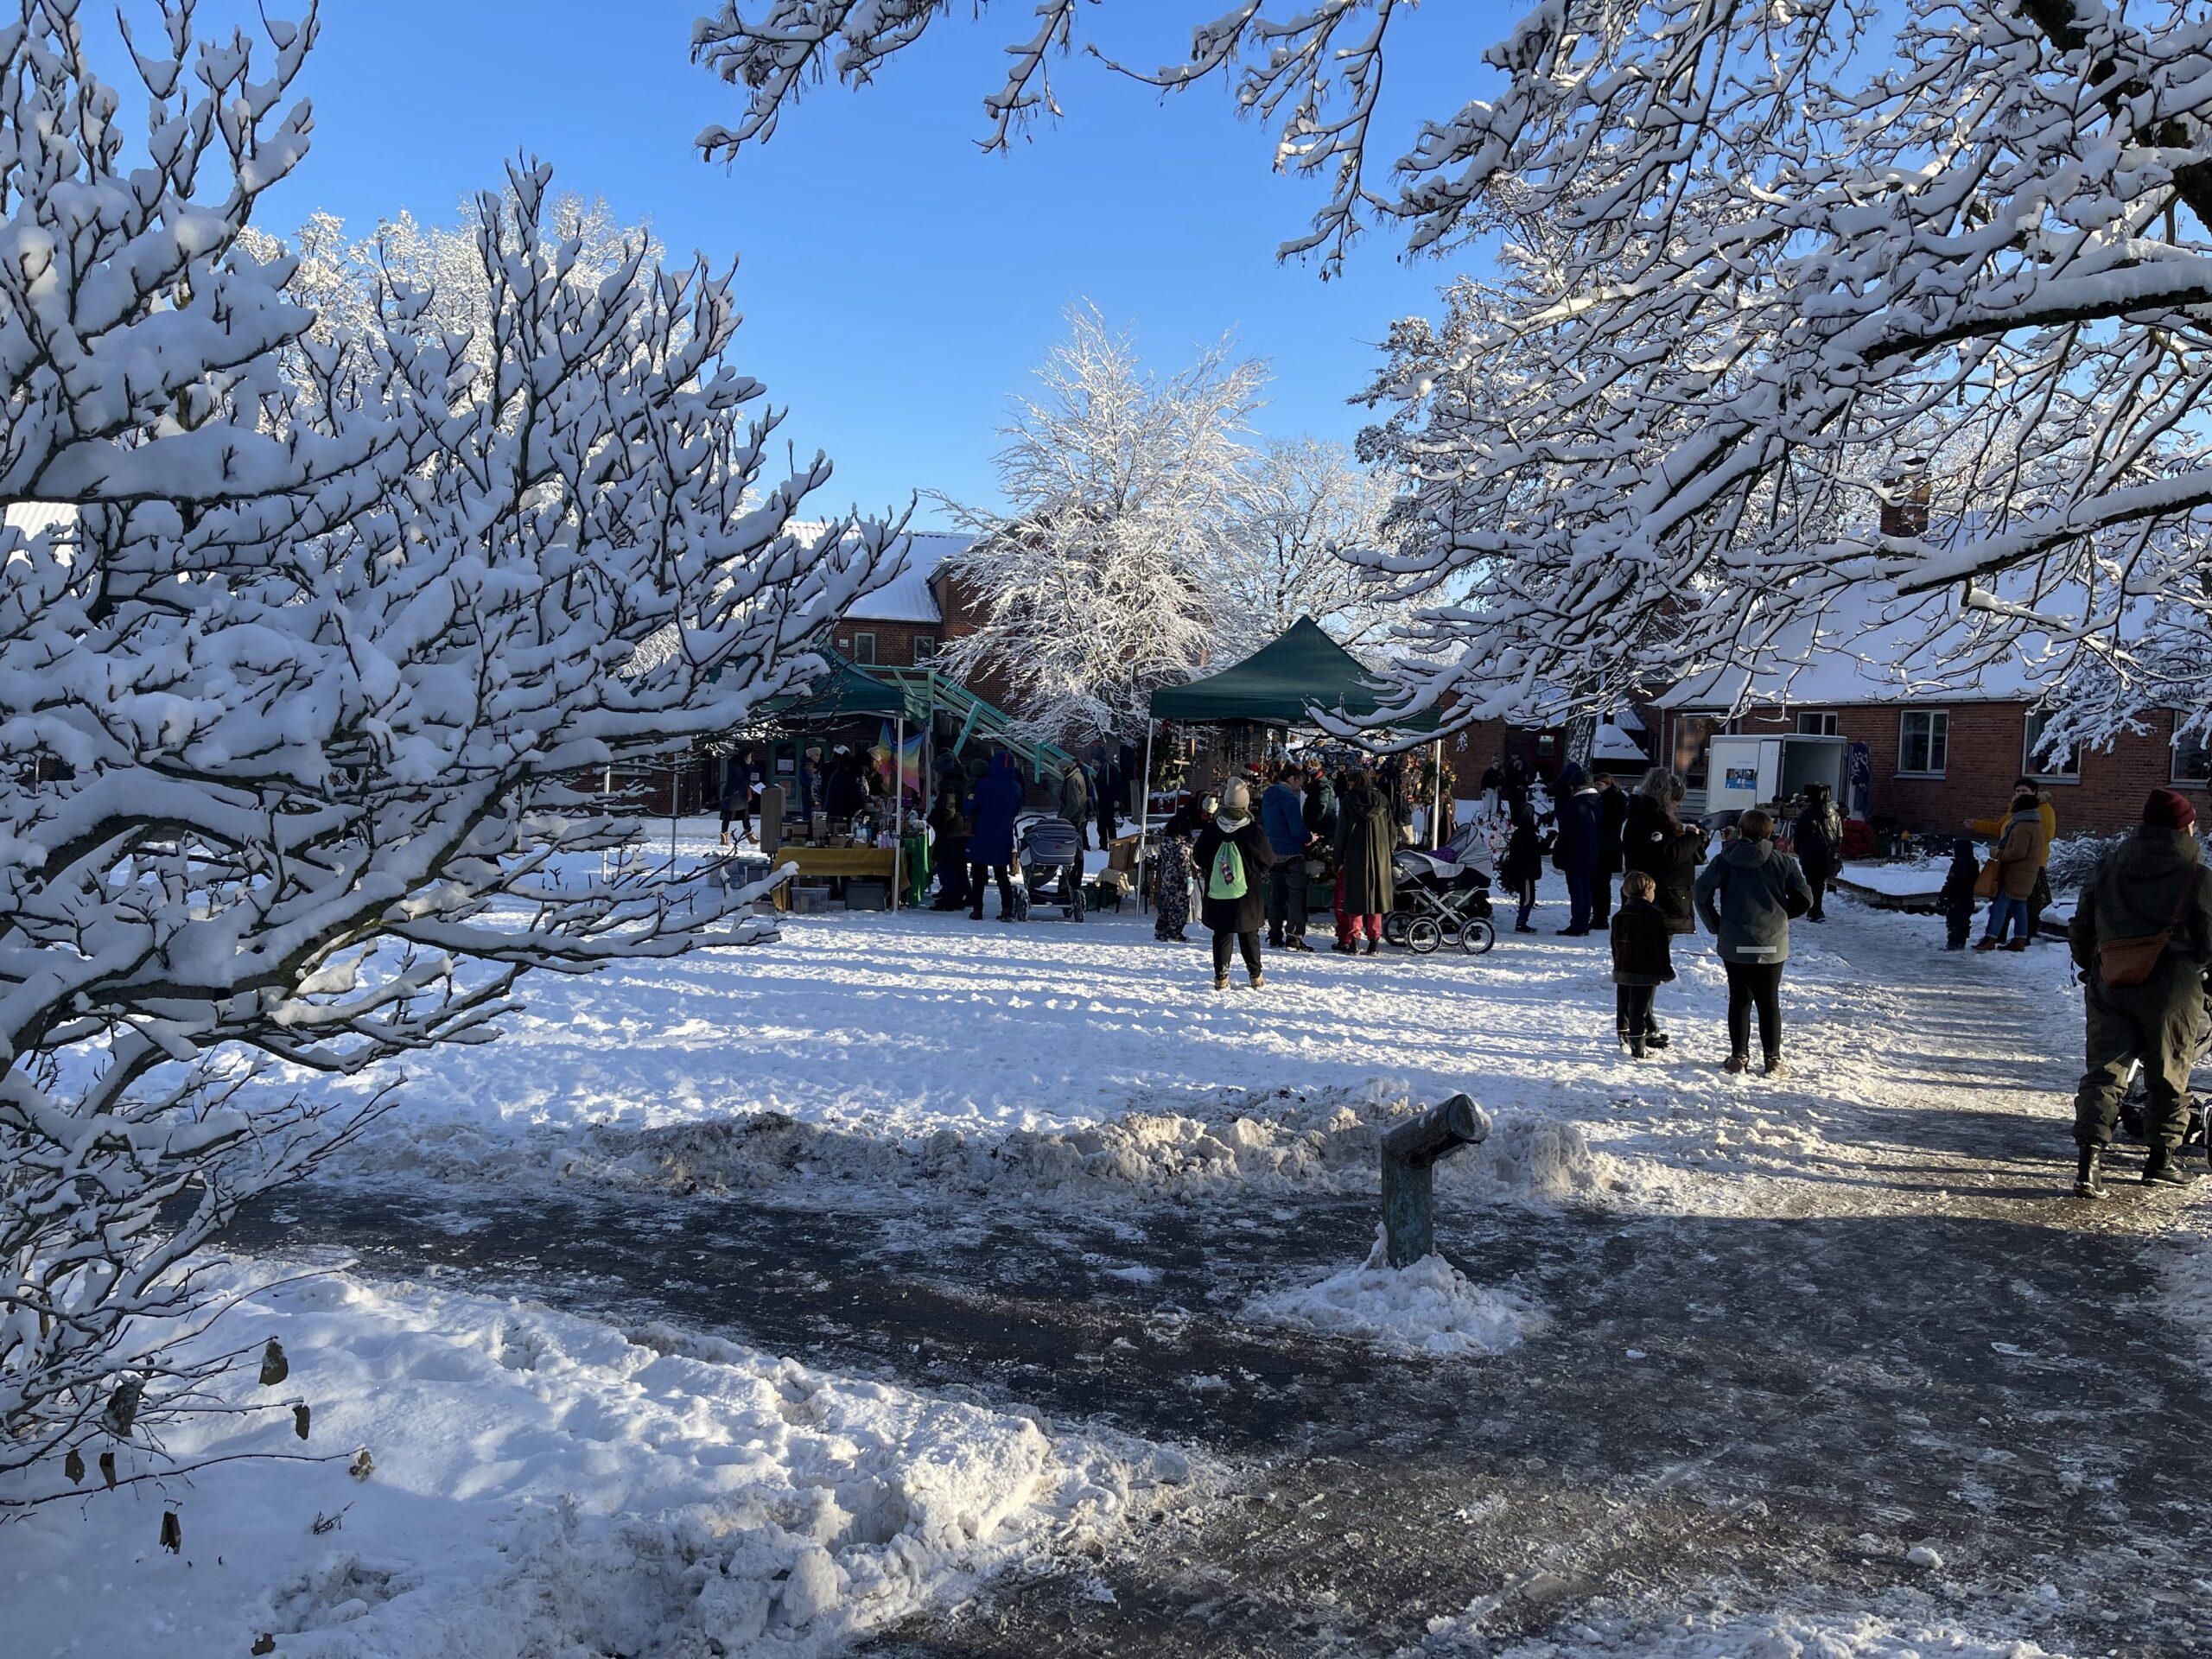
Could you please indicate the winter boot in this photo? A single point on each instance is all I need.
(1775, 1068)
(1296, 944)
(1985, 943)
(1221, 982)
(2016, 945)
(1374, 945)
(1737, 1064)
(1258, 979)
(1656, 1040)
(1635, 1048)
(2162, 1168)
(2089, 1173)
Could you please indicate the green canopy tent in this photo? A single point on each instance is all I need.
(1301, 669)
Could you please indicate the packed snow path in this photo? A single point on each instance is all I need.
(1838, 1355)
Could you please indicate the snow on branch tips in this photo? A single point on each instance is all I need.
(1781, 313)
(309, 642)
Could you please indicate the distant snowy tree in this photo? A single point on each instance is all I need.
(1096, 586)
(1303, 506)
(1760, 270)
(298, 681)
(340, 278)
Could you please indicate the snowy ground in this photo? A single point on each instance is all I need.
(1718, 1366)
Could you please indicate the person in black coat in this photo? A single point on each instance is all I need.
(1643, 962)
(1580, 818)
(1522, 864)
(1613, 818)
(1817, 839)
(1655, 841)
(1958, 894)
(741, 778)
(843, 792)
(1233, 858)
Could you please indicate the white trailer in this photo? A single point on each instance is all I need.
(1744, 772)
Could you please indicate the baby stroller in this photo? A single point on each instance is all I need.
(1443, 897)
(1046, 850)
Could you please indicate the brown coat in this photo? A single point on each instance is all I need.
(2021, 853)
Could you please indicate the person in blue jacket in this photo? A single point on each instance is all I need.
(992, 809)
(1282, 817)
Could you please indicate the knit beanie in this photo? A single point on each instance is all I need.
(1237, 799)
(2164, 810)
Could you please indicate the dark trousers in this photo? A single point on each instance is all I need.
(1248, 943)
(1754, 984)
(1287, 900)
(1578, 880)
(1958, 921)
(1525, 893)
(1817, 878)
(976, 875)
(1632, 1011)
(951, 872)
(2156, 1022)
(1601, 900)
(1106, 824)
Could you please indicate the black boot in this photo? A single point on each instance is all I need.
(2162, 1168)
(2089, 1173)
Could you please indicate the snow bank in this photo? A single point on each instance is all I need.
(1322, 1140)
(1429, 1309)
(548, 1485)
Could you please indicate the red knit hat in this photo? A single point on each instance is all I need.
(2163, 809)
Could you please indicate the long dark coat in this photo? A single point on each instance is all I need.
(993, 809)
(1613, 818)
(1249, 913)
(1365, 839)
(1658, 842)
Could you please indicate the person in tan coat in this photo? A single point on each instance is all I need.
(1993, 830)
(2021, 851)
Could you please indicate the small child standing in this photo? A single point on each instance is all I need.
(1958, 894)
(1524, 862)
(1642, 961)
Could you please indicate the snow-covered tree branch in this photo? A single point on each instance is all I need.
(1098, 585)
(1760, 271)
(301, 677)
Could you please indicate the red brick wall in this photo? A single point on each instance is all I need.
(895, 641)
(1989, 745)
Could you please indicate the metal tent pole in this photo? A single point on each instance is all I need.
(1144, 808)
(898, 810)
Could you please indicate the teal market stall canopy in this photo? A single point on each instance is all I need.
(1278, 683)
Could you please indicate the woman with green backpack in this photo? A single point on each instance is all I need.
(1232, 856)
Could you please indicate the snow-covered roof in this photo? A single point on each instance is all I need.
(907, 596)
(1612, 743)
(1872, 648)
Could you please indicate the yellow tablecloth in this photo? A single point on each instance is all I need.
(876, 863)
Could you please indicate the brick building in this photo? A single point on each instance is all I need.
(903, 623)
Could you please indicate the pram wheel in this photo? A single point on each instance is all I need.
(1423, 935)
(1393, 928)
(1075, 905)
(1476, 935)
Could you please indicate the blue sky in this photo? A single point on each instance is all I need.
(897, 283)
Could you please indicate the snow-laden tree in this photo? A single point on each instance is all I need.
(1759, 269)
(1304, 506)
(300, 683)
(1095, 585)
(338, 277)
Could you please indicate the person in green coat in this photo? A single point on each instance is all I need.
(1365, 837)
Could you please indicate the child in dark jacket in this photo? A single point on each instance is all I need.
(1958, 894)
(1643, 962)
(1524, 862)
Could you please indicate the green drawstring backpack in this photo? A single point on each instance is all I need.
(1226, 878)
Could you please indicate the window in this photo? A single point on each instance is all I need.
(1693, 732)
(864, 648)
(1817, 725)
(2192, 758)
(2064, 765)
(925, 647)
(1924, 742)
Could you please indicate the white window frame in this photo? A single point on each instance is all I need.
(1830, 723)
(1932, 770)
(924, 648)
(2031, 767)
(2174, 775)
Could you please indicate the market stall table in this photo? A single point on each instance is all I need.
(826, 863)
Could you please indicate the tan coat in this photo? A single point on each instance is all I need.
(2021, 853)
(1993, 829)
